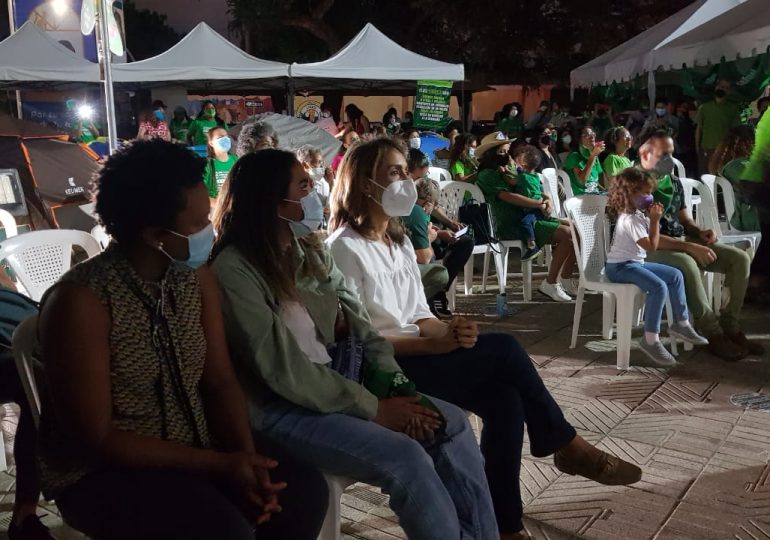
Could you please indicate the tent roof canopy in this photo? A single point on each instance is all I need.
(202, 55)
(743, 31)
(29, 55)
(373, 56)
(638, 55)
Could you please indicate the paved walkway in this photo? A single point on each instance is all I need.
(704, 452)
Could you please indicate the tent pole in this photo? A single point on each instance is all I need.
(463, 106)
(290, 97)
(651, 90)
(12, 27)
(106, 60)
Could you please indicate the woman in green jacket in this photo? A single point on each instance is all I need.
(318, 377)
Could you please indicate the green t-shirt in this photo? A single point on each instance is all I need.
(614, 164)
(416, 225)
(199, 130)
(86, 135)
(715, 120)
(506, 218)
(512, 127)
(528, 184)
(733, 170)
(221, 169)
(179, 129)
(576, 159)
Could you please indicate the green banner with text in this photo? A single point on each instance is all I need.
(431, 105)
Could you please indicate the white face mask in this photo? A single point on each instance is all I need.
(471, 152)
(567, 139)
(415, 143)
(514, 113)
(317, 173)
(326, 114)
(313, 215)
(398, 198)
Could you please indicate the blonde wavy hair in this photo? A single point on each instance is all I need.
(350, 201)
(627, 184)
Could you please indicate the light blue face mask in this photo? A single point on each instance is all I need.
(159, 114)
(313, 215)
(224, 144)
(198, 247)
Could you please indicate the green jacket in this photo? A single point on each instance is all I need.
(269, 361)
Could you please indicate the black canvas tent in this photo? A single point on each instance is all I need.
(55, 174)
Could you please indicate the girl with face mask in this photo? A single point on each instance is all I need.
(219, 161)
(637, 231)
(489, 374)
(510, 121)
(206, 121)
(134, 347)
(545, 141)
(585, 171)
(153, 124)
(463, 163)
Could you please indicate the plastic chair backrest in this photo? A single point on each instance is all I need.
(679, 166)
(586, 215)
(708, 216)
(728, 196)
(9, 223)
(710, 180)
(453, 194)
(439, 175)
(566, 183)
(24, 342)
(101, 236)
(40, 258)
(550, 181)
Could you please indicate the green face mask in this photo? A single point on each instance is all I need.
(585, 152)
(210, 113)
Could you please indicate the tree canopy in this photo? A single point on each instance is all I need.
(499, 41)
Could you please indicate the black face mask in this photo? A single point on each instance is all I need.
(545, 140)
(720, 93)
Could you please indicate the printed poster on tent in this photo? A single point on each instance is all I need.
(431, 105)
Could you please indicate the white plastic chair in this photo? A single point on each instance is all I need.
(439, 175)
(501, 263)
(550, 181)
(9, 223)
(451, 198)
(679, 166)
(331, 527)
(40, 258)
(101, 236)
(587, 225)
(566, 183)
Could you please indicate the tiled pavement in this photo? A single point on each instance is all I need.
(706, 460)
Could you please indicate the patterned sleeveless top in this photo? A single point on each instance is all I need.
(157, 355)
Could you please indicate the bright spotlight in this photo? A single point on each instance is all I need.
(85, 112)
(59, 7)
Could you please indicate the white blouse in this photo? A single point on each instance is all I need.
(386, 280)
(298, 321)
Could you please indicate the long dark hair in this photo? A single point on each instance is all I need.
(456, 153)
(201, 116)
(247, 214)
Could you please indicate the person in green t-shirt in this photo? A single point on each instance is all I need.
(197, 135)
(85, 131)
(619, 140)
(510, 121)
(729, 160)
(583, 165)
(218, 163)
(179, 125)
(462, 158)
(714, 120)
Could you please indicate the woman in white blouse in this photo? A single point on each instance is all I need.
(490, 375)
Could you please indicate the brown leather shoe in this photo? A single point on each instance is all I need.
(726, 349)
(752, 347)
(603, 468)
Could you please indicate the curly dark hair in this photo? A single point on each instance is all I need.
(626, 185)
(145, 184)
(739, 143)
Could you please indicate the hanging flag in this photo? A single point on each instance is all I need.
(87, 16)
(431, 105)
(113, 30)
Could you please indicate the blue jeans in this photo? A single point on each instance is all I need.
(497, 380)
(657, 281)
(438, 490)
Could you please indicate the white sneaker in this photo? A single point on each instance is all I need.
(570, 285)
(554, 291)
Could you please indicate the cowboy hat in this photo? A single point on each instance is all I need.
(493, 140)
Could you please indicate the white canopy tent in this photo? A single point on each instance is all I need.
(202, 56)
(30, 57)
(642, 54)
(373, 56)
(741, 32)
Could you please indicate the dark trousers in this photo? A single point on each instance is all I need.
(454, 256)
(25, 441)
(497, 381)
(160, 505)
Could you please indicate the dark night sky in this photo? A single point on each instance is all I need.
(183, 15)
